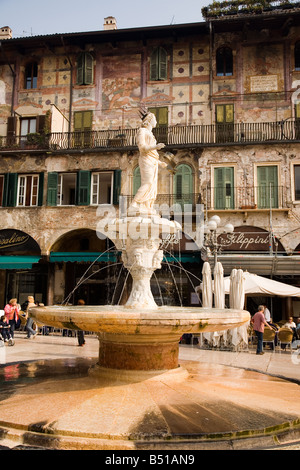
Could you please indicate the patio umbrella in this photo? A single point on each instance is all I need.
(206, 286)
(254, 284)
(219, 292)
(232, 288)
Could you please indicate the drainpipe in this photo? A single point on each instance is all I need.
(210, 64)
(14, 80)
(71, 87)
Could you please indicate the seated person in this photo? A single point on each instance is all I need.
(5, 330)
(292, 326)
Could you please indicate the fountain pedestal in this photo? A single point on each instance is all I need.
(138, 352)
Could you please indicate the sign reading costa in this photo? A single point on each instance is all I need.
(17, 241)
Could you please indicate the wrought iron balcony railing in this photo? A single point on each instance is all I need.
(256, 197)
(173, 136)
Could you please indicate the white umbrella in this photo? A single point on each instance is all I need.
(231, 288)
(206, 286)
(239, 298)
(254, 284)
(219, 286)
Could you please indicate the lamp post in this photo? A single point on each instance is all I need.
(211, 236)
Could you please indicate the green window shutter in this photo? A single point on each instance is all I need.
(83, 185)
(41, 189)
(136, 180)
(162, 64)
(88, 69)
(224, 188)
(52, 189)
(183, 184)
(154, 60)
(10, 189)
(267, 187)
(117, 186)
(80, 69)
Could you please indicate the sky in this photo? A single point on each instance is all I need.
(38, 17)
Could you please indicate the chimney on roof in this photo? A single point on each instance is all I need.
(5, 32)
(110, 23)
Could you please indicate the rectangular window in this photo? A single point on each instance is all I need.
(1, 189)
(297, 182)
(267, 187)
(66, 189)
(224, 123)
(27, 126)
(28, 190)
(102, 185)
(224, 188)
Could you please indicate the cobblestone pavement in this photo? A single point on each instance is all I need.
(283, 364)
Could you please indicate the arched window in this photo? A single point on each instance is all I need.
(31, 72)
(297, 55)
(183, 185)
(159, 64)
(136, 180)
(85, 69)
(224, 62)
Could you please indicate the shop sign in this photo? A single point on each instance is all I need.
(247, 238)
(16, 241)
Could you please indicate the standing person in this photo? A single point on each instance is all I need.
(80, 333)
(29, 303)
(11, 312)
(267, 314)
(259, 323)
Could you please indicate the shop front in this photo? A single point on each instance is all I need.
(258, 251)
(22, 270)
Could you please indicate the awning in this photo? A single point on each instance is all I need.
(184, 258)
(77, 257)
(18, 262)
(260, 264)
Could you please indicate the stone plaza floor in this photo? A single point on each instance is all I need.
(278, 364)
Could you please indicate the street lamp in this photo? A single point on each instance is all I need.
(211, 236)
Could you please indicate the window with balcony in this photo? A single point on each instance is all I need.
(159, 64)
(224, 62)
(83, 126)
(183, 185)
(101, 188)
(297, 182)
(31, 76)
(224, 188)
(85, 69)
(28, 190)
(161, 129)
(27, 126)
(267, 187)
(224, 123)
(297, 55)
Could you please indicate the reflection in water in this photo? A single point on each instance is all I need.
(11, 372)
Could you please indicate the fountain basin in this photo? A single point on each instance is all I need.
(145, 339)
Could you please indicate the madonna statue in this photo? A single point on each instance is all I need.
(148, 163)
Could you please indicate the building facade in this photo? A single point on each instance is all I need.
(225, 94)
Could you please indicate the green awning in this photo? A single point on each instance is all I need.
(74, 257)
(18, 262)
(183, 258)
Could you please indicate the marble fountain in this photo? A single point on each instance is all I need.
(137, 394)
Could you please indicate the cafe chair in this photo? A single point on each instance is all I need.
(285, 337)
(269, 337)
